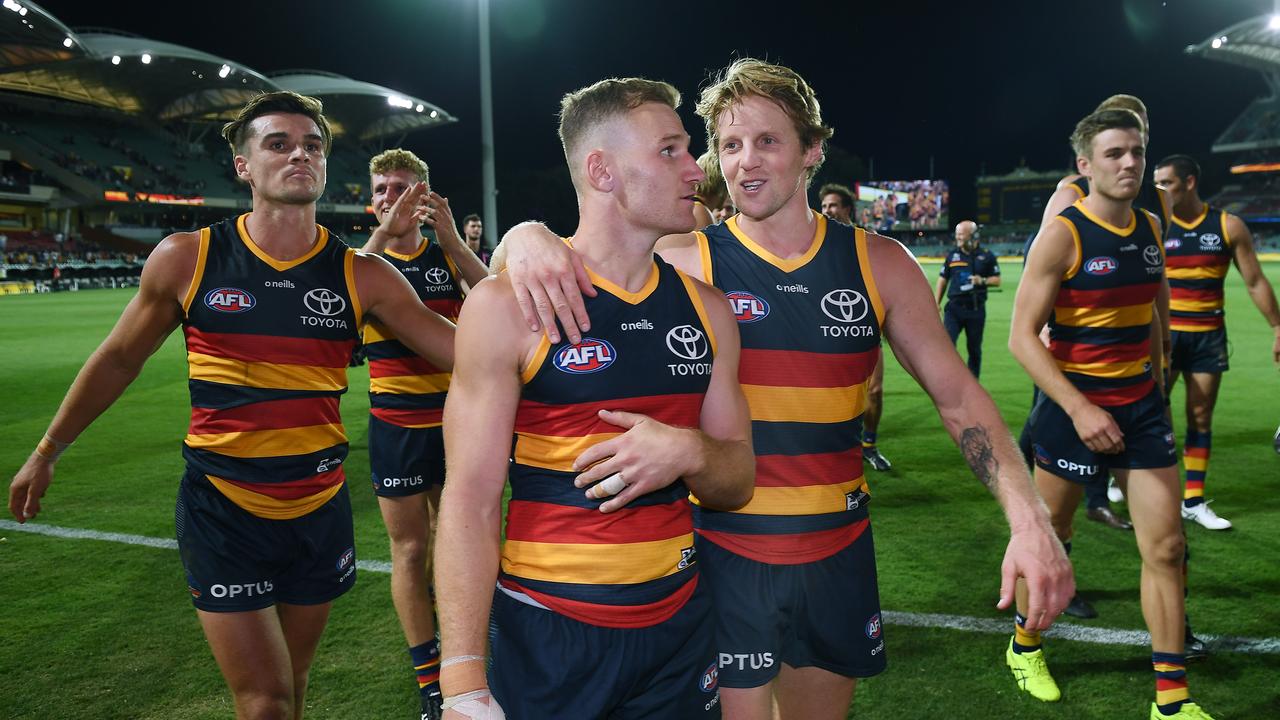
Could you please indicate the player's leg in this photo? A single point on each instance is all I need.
(754, 703)
(810, 692)
(871, 454)
(254, 656)
(302, 626)
(1202, 396)
(410, 520)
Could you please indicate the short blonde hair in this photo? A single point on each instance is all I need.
(398, 159)
(782, 85)
(1126, 102)
(713, 192)
(584, 109)
(1095, 123)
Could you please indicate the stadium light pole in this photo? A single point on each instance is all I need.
(486, 131)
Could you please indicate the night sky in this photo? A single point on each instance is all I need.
(976, 86)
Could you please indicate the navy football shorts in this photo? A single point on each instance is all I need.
(404, 461)
(236, 561)
(1201, 352)
(546, 665)
(823, 614)
(1148, 439)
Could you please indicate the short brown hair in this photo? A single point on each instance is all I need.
(1102, 120)
(712, 191)
(840, 191)
(398, 159)
(782, 85)
(582, 110)
(1125, 102)
(237, 132)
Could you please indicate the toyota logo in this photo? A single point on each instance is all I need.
(323, 301)
(1151, 254)
(687, 342)
(437, 276)
(844, 305)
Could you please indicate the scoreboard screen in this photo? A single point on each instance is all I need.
(1017, 202)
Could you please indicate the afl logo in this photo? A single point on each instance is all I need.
(844, 305)
(590, 355)
(747, 308)
(1101, 265)
(710, 678)
(1172, 244)
(687, 342)
(323, 301)
(229, 300)
(873, 627)
(437, 276)
(345, 560)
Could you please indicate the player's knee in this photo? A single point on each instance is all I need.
(272, 704)
(1166, 551)
(413, 551)
(1200, 416)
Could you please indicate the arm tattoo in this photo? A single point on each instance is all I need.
(976, 446)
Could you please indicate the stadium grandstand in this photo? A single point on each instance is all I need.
(110, 141)
(1251, 143)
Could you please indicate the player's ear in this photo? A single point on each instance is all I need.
(813, 155)
(598, 173)
(241, 164)
(1082, 165)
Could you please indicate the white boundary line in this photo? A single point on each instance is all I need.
(992, 626)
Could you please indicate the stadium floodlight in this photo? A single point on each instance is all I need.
(1274, 22)
(397, 101)
(435, 114)
(68, 42)
(419, 107)
(224, 71)
(11, 5)
(146, 58)
(115, 59)
(1217, 43)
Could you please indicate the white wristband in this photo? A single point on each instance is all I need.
(459, 659)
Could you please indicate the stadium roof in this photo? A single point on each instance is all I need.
(1253, 44)
(167, 82)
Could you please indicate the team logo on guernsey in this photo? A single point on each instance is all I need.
(1151, 254)
(229, 300)
(1210, 241)
(845, 305)
(710, 678)
(323, 301)
(1102, 265)
(873, 627)
(590, 355)
(687, 342)
(437, 276)
(747, 308)
(1172, 243)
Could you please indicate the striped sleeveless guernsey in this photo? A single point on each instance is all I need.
(1100, 329)
(1149, 198)
(405, 389)
(1198, 255)
(810, 329)
(268, 343)
(649, 352)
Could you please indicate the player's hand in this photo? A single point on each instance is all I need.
(649, 456)
(439, 217)
(1098, 430)
(408, 212)
(1036, 555)
(28, 486)
(549, 280)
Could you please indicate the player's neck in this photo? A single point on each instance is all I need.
(787, 233)
(1190, 208)
(1113, 210)
(614, 249)
(285, 232)
(406, 245)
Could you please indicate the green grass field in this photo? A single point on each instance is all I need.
(106, 630)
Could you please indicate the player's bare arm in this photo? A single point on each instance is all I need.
(715, 460)
(439, 217)
(1260, 291)
(1063, 197)
(404, 218)
(549, 280)
(385, 294)
(493, 345)
(143, 326)
(920, 343)
(1053, 252)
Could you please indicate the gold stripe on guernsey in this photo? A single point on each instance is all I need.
(1078, 190)
(1122, 232)
(1195, 305)
(202, 257)
(457, 274)
(804, 404)
(1226, 236)
(265, 375)
(422, 247)
(626, 296)
(410, 384)
(704, 254)
(1166, 211)
(593, 563)
(555, 452)
(1105, 369)
(1117, 317)
(1075, 237)
(535, 362)
(375, 331)
(783, 264)
(807, 500)
(271, 443)
(349, 270)
(322, 237)
(1204, 272)
(1155, 231)
(696, 298)
(268, 507)
(1175, 325)
(868, 278)
(1204, 212)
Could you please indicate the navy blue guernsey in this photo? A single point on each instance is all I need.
(1149, 198)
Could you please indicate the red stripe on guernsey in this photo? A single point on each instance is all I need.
(1120, 395)
(794, 549)
(447, 308)
(1085, 353)
(1194, 261)
(616, 616)
(294, 489)
(1184, 293)
(267, 415)
(578, 419)
(395, 367)
(1107, 297)
(806, 470)
(405, 417)
(270, 348)
(790, 368)
(549, 523)
(1211, 321)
